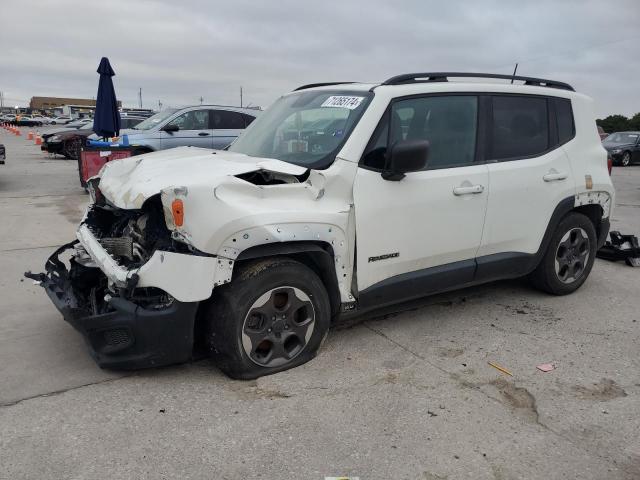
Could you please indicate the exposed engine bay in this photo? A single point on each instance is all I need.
(131, 236)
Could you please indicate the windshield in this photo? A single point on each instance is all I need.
(622, 137)
(306, 128)
(151, 122)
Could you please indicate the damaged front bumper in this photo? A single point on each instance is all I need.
(121, 333)
(186, 277)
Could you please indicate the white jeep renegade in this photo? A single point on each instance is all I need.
(339, 199)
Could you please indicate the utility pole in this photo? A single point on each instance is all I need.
(201, 99)
(1, 99)
(240, 97)
(140, 97)
(159, 105)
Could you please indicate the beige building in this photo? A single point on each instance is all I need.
(48, 103)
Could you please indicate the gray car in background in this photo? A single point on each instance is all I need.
(207, 126)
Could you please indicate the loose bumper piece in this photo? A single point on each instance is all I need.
(126, 335)
(621, 247)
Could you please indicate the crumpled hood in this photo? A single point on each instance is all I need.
(129, 182)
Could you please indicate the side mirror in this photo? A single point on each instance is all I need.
(170, 128)
(406, 156)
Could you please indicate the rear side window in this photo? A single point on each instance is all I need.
(247, 119)
(519, 127)
(566, 127)
(224, 119)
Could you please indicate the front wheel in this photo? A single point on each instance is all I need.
(273, 316)
(569, 257)
(626, 159)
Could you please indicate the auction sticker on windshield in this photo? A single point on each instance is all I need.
(343, 101)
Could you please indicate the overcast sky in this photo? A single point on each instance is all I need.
(180, 50)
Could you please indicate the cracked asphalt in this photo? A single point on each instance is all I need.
(406, 395)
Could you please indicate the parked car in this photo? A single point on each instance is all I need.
(41, 119)
(9, 117)
(624, 147)
(207, 126)
(69, 141)
(3, 154)
(63, 119)
(59, 141)
(339, 199)
(27, 121)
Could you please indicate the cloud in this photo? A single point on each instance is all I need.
(179, 51)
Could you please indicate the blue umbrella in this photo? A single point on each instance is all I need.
(106, 122)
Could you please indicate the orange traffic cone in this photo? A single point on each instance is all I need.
(38, 139)
(30, 136)
(18, 132)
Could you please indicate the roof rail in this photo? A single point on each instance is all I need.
(444, 77)
(325, 84)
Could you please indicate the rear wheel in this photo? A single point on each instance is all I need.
(569, 256)
(273, 316)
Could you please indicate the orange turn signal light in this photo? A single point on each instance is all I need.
(177, 210)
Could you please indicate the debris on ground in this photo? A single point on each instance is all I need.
(502, 369)
(621, 247)
(546, 367)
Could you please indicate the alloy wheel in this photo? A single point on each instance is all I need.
(572, 255)
(626, 159)
(278, 326)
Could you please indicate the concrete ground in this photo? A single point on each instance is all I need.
(408, 395)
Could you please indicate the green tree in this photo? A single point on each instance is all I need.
(634, 122)
(614, 123)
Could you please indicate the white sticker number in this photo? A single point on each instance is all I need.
(343, 101)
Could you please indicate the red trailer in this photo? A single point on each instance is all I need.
(93, 158)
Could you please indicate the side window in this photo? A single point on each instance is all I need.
(564, 114)
(448, 123)
(247, 119)
(193, 120)
(224, 119)
(519, 128)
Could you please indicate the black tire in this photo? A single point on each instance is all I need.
(625, 160)
(567, 262)
(278, 282)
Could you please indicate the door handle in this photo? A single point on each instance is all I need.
(203, 134)
(554, 176)
(468, 190)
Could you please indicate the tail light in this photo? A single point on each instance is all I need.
(609, 163)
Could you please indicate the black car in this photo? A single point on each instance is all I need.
(3, 154)
(69, 141)
(624, 147)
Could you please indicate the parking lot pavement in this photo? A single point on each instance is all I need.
(406, 395)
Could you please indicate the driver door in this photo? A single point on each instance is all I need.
(420, 234)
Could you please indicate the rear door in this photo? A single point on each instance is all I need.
(529, 171)
(226, 126)
(193, 131)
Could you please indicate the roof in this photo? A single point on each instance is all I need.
(435, 78)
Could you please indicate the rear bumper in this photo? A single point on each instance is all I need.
(128, 336)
